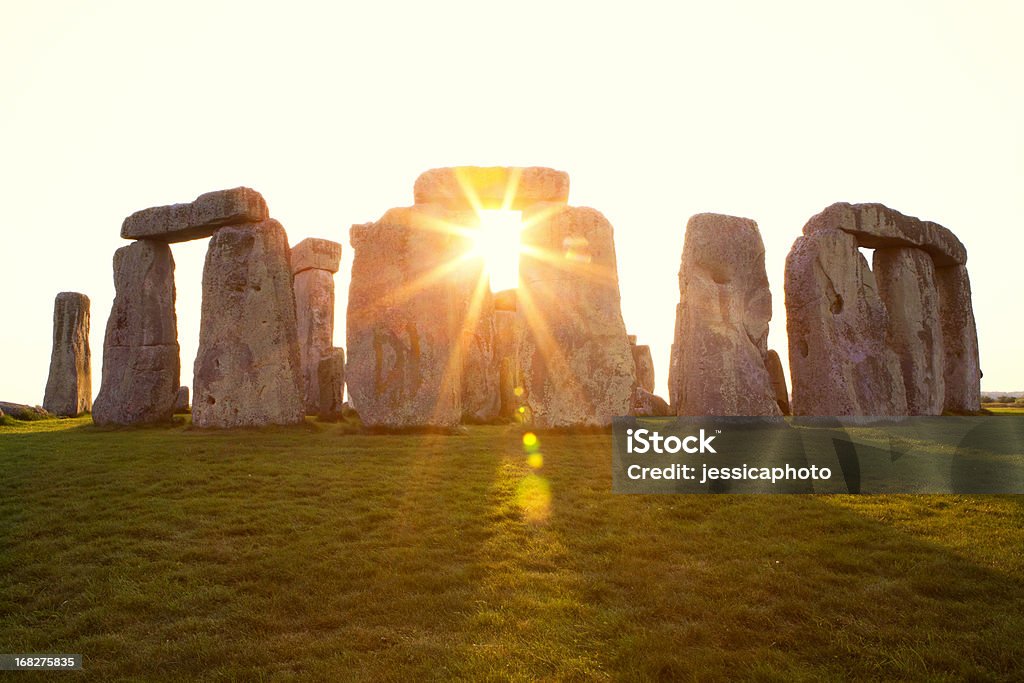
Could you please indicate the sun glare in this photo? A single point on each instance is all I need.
(497, 241)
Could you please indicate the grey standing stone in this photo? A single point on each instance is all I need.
(182, 403)
(906, 283)
(141, 365)
(331, 384)
(721, 336)
(69, 385)
(839, 357)
(197, 219)
(247, 370)
(773, 364)
(644, 366)
(962, 368)
(577, 366)
(314, 262)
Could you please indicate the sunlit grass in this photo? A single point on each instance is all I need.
(314, 553)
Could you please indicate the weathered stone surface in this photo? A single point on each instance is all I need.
(509, 329)
(314, 312)
(247, 370)
(773, 364)
(878, 227)
(906, 284)
(316, 253)
(577, 366)
(19, 411)
(647, 404)
(403, 322)
(141, 365)
(449, 186)
(182, 403)
(480, 399)
(721, 337)
(69, 385)
(197, 219)
(644, 366)
(331, 384)
(839, 358)
(962, 374)
(505, 300)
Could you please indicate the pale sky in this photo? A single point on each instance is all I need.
(657, 111)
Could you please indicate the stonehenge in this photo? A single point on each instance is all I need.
(720, 350)
(314, 263)
(430, 346)
(69, 385)
(898, 340)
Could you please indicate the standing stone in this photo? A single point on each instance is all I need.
(69, 386)
(481, 400)
(577, 366)
(403, 322)
(509, 329)
(721, 337)
(839, 357)
(314, 263)
(247, 370)
(331, 384)
(181, 403)
(906, 283)
(644, 366)
(647, 404)
(141, 365)
(773, 364)
(962, 369)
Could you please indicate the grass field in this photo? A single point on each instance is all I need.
(315, 553)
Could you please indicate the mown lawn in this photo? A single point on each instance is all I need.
(314, 553)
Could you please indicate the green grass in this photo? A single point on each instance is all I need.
(1006, 410)
(312, 553)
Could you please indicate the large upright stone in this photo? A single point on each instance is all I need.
(331, 384)
(247, 370)
(403, 323)
(69, 385)
(773, 364)
(509, 329)
(962, 369)
(495, 187)
(141, 366)
(644, 366)
(481, 400)
(906, 283)
(577, 366)
(314, 262)
(721, 336)
(197, 219)
(840, 360)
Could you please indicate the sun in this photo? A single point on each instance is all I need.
(496, 241)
